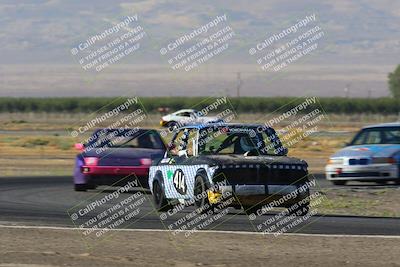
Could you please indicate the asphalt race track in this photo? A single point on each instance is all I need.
(45, 201)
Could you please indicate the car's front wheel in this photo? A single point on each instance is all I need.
(200, 194)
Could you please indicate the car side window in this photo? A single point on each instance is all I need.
(173, 147)
(374, 137)
(183, 142)
(360, 138)
(191, 142)
(183, 114)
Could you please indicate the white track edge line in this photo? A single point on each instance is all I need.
(203, 231)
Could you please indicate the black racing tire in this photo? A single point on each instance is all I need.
(160, 201)
(303, 204)
(200, 193)
(300, 210)
(251, 209)
(339, 182)
(91, 186)
(80, 187)
(381, 182)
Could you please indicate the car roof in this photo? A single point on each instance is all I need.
(237, 124)
(123, 130)
(185, 110)
(389, 124)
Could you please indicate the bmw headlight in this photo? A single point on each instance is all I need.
(335, 161)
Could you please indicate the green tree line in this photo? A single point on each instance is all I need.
(240, 105)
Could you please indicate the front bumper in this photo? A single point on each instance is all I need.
(263, 194)
(371, 172)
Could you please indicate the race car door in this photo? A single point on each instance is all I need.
(177, 168)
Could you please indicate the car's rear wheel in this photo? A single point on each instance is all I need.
(81, 187)
(159, 198)
(251, 209)
(302, 207)
(301, 210)
(339, 182)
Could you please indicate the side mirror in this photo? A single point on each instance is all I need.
(79, 146)
(155, 158)
(182, 153)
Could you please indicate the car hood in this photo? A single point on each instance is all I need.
(241, 159)
(385, 150)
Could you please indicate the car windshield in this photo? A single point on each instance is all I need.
(239, 140)
(382, 135)
(125, 138)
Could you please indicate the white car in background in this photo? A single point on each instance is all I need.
(187, 117)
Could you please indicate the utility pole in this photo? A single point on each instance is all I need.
(347, 90)
(239, 84)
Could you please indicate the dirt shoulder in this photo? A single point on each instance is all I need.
(50, 247)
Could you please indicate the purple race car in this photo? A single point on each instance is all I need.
(113, 155)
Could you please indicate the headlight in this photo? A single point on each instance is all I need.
(389, 160)
(335, 161)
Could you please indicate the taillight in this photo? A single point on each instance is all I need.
(145, 161)
(91, 161)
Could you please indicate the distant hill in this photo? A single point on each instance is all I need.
(361, 45)
(45, 30)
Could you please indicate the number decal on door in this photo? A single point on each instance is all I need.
(179, 182)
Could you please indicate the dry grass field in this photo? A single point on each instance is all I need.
(40, 143)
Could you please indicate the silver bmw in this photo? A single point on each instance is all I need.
(372, 155)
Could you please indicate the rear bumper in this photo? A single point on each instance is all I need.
(112, 175)
(362, 172)
(115, 170)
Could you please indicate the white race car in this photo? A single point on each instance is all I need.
(373, 155)
(185, 117)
